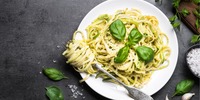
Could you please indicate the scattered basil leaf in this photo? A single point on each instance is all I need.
(118, 30)
(53, 74)
(176, 25)
(122, 54)
(195, 38)
(54, 93)
(183, 87)
(173, 18)
(197, 23)
(176, 3)
(134, 37)
(174, 22)
(145, 53)
(185, 12)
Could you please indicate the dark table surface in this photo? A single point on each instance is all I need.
(33, 34)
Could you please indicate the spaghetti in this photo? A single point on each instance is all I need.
(100, 47)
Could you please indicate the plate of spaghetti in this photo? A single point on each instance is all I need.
(132, 39)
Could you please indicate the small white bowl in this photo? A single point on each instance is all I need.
(187, 59)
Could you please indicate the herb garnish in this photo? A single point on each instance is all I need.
(54, 74)
(185, 12)
(54, 93)
(183, 87)
(118, 30)
(195, 38)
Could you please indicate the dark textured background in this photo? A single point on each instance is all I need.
(32, 36)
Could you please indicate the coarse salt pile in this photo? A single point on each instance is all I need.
(75, 92)
(193, 59)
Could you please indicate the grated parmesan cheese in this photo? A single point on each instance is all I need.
(193, 59)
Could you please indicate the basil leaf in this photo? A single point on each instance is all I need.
(122, 55)
(176, 25)
(54, 93)
(195, 38)
(118, 30)
(53, 74)
(134, 37)
(197, 22)
(176, 3)
(183, 87)
(196, 13)
(173, 18)
(145, 53)
(185, 12)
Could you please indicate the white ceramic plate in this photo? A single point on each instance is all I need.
(159, 78)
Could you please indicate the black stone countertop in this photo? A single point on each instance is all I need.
(33, 34)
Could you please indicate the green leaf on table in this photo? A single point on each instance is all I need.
(183, 87)
(54, 74)
(54, 93)
(195, 38)
(176, 3)
(176, 25)
(173, 18)
(118, 30)
(185, 12)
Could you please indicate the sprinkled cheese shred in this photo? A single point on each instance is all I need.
(193, 59)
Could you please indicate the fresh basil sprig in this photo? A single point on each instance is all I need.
(145, 53)
(122, 55)
(134, 37)
(174, 21)
(118, 30)
(183, 87)
(54, 74)
(195, 38)
(54, 93)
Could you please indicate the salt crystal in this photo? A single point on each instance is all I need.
(193, 59)
(75, 92)
(54, 61)
(58, 46)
